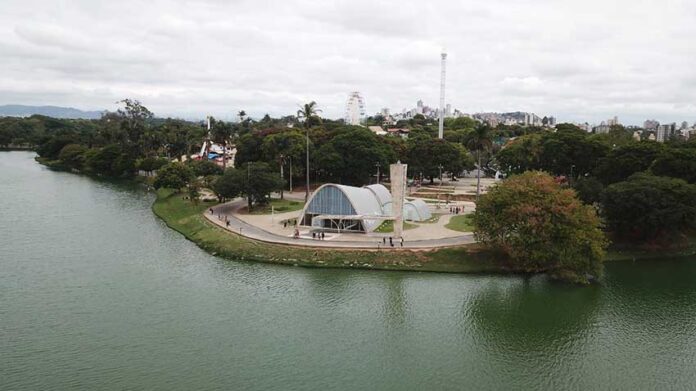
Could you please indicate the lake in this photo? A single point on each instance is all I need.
(96, 293)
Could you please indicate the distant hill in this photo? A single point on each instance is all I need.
(49, 111)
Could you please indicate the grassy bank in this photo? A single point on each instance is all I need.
(634, 253)
(461, 223)
(187, 218)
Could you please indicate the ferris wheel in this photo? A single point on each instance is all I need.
(355, 109)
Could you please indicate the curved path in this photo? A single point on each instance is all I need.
(373, 241)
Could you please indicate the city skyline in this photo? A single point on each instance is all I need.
(192, 59)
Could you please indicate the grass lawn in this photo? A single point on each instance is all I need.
(187, 218)
(460, 223)
(279, 206)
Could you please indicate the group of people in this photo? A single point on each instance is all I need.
(391, 241)
(221, 217)
(318, 235)
(456, 209)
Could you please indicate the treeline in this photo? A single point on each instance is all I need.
(645, 191)
(131, 138)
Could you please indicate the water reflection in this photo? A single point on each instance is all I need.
(527, 314)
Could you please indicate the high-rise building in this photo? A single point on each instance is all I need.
(665, 132)
(650, 124)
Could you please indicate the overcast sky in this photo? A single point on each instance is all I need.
(581, 60)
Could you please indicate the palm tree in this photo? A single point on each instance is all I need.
(241, 115)
(306, 113)
(479, 140)
(222, 132)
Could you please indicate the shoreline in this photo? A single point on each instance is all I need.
(458, 259)
(189, 220)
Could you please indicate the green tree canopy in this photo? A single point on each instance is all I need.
(110, 161)
(73, 156)
(350, 157)
(626, 160)
(541, 226)
(647, 207)
(174, 176)
(426, 154)
(676, 163)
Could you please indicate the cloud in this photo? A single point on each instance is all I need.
(579, 60)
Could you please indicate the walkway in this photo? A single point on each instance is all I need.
(332, 240)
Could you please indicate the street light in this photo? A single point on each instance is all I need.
(307, 176)
(282, 177)
(378, 166)
(440, 168)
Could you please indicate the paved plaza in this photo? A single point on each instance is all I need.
(273, 228)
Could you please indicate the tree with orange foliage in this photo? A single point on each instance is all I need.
(542, 226)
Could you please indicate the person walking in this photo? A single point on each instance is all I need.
(402, 241)
(391, 242)
(323, 236)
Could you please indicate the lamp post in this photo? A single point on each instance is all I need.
(378, 166)
(306, 197)
(440, 168)
(290, 161)
(282, 177)
(571, 174)
(249, 184)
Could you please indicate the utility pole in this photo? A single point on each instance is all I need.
(290, 160)
(378, 166)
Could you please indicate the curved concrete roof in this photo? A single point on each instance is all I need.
(372, 200)
(381, 192)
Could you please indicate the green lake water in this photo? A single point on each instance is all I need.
(96, 293)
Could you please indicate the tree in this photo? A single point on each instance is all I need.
(350, 157)
(479, 140)
(308, 113)
(222, 133)
(541, 227)
(205, 168)
(134, 120)
(426, 155)
(111, 161)
(229, 185)
(173, 176)
(520, 155)
(281, 148)
(649, 208)
(589, 189)
(258, 183)
(73, 156)
(626, 160)
(676, 163)
(150, 164)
